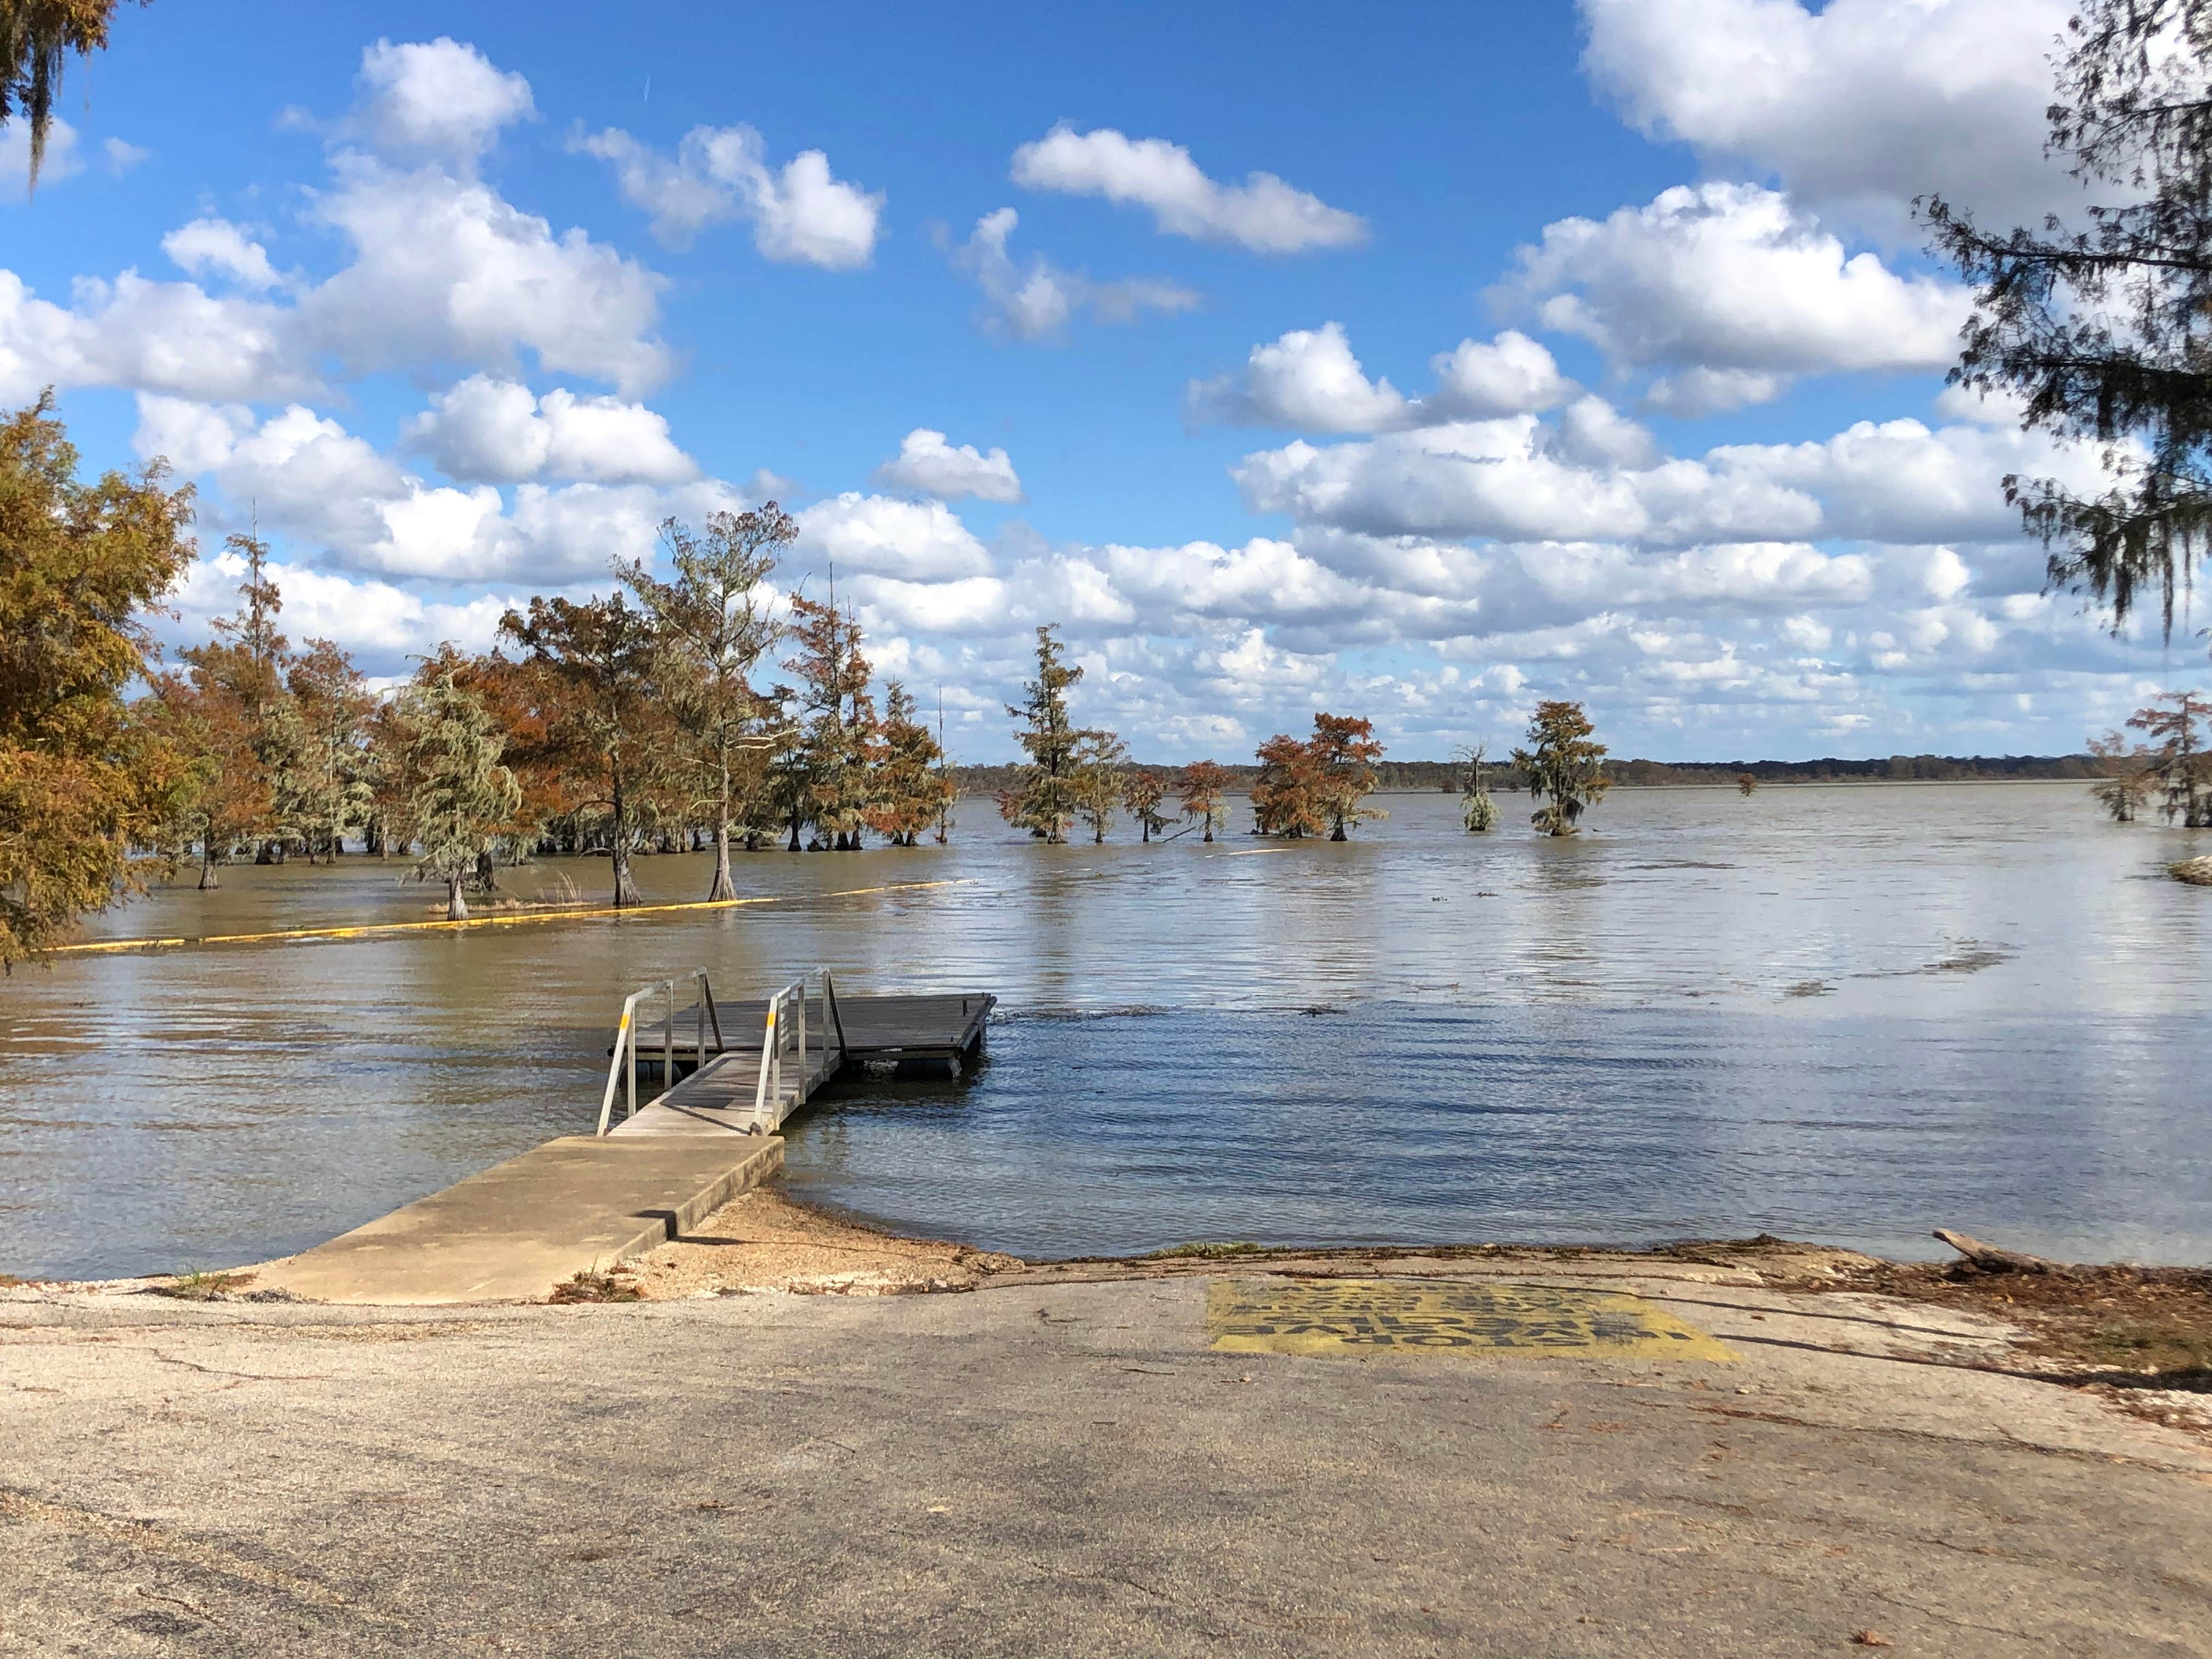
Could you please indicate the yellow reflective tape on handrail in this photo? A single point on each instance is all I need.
(378, 929)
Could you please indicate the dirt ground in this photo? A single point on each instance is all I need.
(2122, 1320)
(763, 1241)
(2142, 1336)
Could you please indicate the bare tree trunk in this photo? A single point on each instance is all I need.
(722, 887)
(208, 880)
(626, 893)
(486, 873)
(457, 907)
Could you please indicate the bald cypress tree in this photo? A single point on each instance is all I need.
(596, 661)
(84, 775)
(1563, 765)
(36, 37)
(461, 795)
(2104, 328)
(713, 624)
(1045, 802)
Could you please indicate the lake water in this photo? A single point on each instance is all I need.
(1852, 1013)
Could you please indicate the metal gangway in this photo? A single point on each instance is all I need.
(743, 1090)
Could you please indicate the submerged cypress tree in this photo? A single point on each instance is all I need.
(1564, 768)
(1478, 809)
(1045, 802)
(461, 794)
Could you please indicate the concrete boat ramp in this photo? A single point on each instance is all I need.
(733, 1074)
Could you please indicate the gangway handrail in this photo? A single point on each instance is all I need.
(835, 1021)
(625, 1048)
(784, 1032)
(767, 1087)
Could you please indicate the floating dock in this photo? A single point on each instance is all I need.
(744, 1085)
(656, 1168)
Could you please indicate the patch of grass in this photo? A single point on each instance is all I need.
(2128, 1326)
(2175, 1349)
(1202, 1251)
(199, 1286)
(615, 1284)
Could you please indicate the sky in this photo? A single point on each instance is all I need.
(1418, 364)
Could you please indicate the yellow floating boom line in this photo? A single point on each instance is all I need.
(377, 929)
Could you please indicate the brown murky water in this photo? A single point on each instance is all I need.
(1854, 1011)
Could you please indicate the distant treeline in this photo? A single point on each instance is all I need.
(1898, 768)
(1449, 777)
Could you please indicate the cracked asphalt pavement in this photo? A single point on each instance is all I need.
(1048, 1467)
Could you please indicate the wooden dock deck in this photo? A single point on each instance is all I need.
(725, 1096)
(942, 1025)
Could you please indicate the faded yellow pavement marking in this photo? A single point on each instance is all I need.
(494, 919)
(1347, 1317)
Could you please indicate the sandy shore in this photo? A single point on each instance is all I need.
(762, 1241)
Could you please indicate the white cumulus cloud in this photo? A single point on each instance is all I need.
(929, 465)
(1309, 381)
(437, 100)
(306, 476)
(446, 269)
(381, 623)
(1306, 381)
(881, 536)
(1263, 213)
(1511, 374)
(485, 430)
(155, 337)
(1732, 281)
(800, 213)
(1036, 300)
(219, 247)
(1858, 107)
(1905, 482)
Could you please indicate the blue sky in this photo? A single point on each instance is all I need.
(461, 301)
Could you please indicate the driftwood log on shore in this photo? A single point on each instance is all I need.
(1990, 1259)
